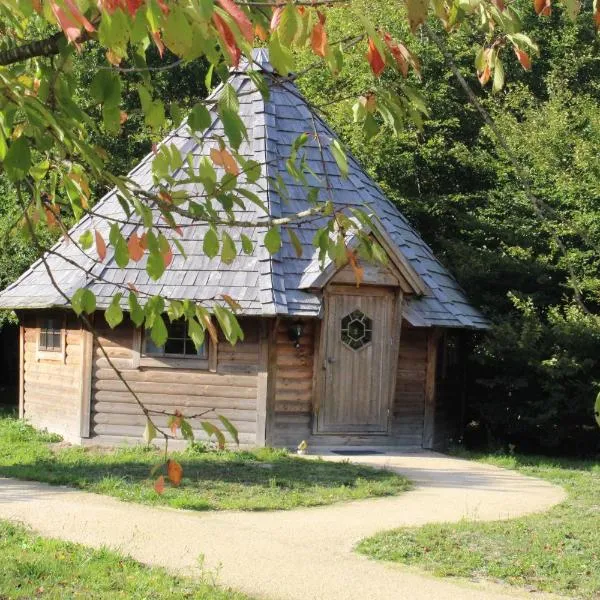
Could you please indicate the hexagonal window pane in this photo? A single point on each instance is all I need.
(356, 330)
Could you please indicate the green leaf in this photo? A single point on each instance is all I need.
(281, 57)
(228, 99)
(228, 250)
(247, 245)
(18, 159)
(199, 118)
(159, 333)
(296, 243)
(498, 83)
(149, 431)
(86, 239)
(288, 25)
(234, 127)
(177, 32)
(106, 88)
(597, 410)
(114, 313)
(186, 430)
(155, 266)
(272, 240)
(121, 251)
(214, 430)
(136, 312)
(83, 301)
(233, 432)
(38, 172)
(210, 244)
(340, 157)
(196, 333)
(252, 170)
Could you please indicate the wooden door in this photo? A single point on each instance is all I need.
(358, 360)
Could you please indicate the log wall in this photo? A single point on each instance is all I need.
(52, 386)
(294, 393)
(231, 391)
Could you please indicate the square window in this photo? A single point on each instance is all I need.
(50, 339)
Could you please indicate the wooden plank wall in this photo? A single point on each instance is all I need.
(52, 388)
(231, 391)
(409, 399)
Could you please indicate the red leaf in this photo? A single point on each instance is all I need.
(100, 245)
(136, 252)
(163, 6)
(359, 272)
(523, 58)
(78, 16)
(175, 422)
(375, 59)
(395, 51)
(318, 37)
(167, 257)
(227, 39)
(133, 6)
(234, 304)
(597, 14)
(499, 4)
(159, 485)
(174, 471)
(261, 32)
(240, 18)
(158, 41)
(66, 22)
(542, 7)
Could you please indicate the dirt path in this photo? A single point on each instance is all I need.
(297, 555)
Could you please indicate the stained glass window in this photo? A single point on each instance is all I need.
(357, 330)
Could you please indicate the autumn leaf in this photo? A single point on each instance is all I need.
(158, 43)
(359, 272)
(78, 16)
(318, 37)
(375, 59)
(276, 17)
(395, 51)
(67, 22)
(100, 245)
(596, 6)
(523, 58)
(417, 12)
(234, 304)
(542, 7)
(223, 158)
(50, 218)
(174, 472)
(261, 32)
(134, 246)
(227, 39)
(159, 485)
(484, 76)
(174, 422)
(240, 18)
(167, 257)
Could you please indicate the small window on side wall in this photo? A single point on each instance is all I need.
(179, 344)
(51, 340)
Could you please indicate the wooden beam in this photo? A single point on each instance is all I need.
(430, 389)
(87, 357)
(21, 371)
(394, 354)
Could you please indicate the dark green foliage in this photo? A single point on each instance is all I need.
(533, 378)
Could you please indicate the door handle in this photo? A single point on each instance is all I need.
(330, 360)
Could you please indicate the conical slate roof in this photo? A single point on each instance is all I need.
(262, 284)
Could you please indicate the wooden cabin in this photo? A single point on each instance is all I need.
(322, 360)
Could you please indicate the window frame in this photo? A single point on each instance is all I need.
(207, 362)
(60, 354)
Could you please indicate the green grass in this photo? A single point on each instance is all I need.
(36, 567)
(262, 479)
(556, 551)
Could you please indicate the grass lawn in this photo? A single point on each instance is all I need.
(556, 551)
(36, 567)
(262, 479)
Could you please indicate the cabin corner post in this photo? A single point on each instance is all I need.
(87, 355)
(262, 384)
(21, 370)
(430, 389)
(272, 327)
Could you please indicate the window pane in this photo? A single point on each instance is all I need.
(43, 339)
(174, 346)
(54, 340)
(152, 348)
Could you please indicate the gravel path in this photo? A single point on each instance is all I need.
(303, 554)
